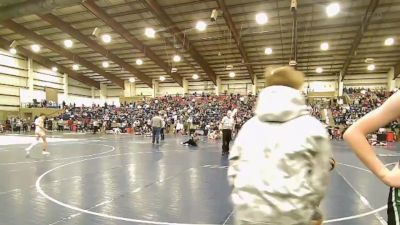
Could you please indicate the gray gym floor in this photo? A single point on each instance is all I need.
(124, 179)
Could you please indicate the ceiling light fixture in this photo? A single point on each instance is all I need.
(324, 46)
(35, 48)
(96, 32)
(371, 67)
(195, 76)
(132, 80)
(229, 67)
(54, 69)
(332, 9)
(13, 51)
(319, 70)
(389, 41)
(201, 26)
(369, 60)
(177, 58)
(261, 18)
(68, 43)
(105, 64)
(75, 67)
(268, 51)
(232, 74)
(139, 62)
(106, 38)
(162, 78)
(150, 32)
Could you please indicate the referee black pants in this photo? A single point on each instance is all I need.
(226, 139)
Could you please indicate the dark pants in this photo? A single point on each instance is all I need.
(95, 129)
(156, 134)
(162, 133)
(393, 206)
(190, 142)
(226, 139)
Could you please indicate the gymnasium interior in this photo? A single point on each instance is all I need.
(98, 70)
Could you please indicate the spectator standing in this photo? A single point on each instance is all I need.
(156, 124)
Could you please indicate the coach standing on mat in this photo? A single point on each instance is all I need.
(227, 125)
(156, 124)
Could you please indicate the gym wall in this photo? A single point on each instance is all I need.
(14, 82)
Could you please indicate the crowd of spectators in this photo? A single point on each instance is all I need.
(181, 114)
(188, 114)
(42, 104)
(184, 115)
(361, 102)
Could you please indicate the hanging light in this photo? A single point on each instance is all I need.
(132, 80)
(261, 18)
(201, 26)
(162, 78)
(195, 76)
(105, 64)
(68, 43)
(268, 51)
(13, 51)
(35, 48)
(319, 70)
(139, 62)
(75, 67)
(232, 74)
(106, 38)
(324, 46)
(371, 67)
(332, 9)
(54, 69)
(389, 41)
(177, 58)
(150, 32)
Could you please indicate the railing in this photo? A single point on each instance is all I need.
(38, 105)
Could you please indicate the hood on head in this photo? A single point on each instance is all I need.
(280, 104)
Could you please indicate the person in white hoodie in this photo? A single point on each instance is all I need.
(278, 165)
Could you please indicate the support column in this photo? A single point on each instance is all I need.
(218, 86)
(93, 91)
(391, 84)
(340, 85)
(103, 93)
(185, 86)
(29, 84)
(155, 88)
(254, 89)
(340, 88)
(65, 86)
(129, 89)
